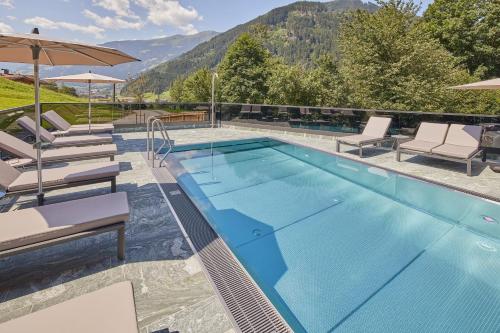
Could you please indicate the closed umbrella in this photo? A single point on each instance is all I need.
(86, 78)
(37, 50)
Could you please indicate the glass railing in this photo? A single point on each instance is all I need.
(336, 120)
(289, 118)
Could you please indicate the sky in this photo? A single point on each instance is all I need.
(99, 21)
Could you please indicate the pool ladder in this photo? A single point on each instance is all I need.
(156, 124)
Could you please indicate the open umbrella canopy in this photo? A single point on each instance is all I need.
(37, 50)
(482, 85)
(18, 48)
(85, 78)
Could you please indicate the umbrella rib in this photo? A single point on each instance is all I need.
(88, 56)
(48, 57)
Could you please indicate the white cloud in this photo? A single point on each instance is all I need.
(189, 29)
(120, 7)
(172, 13)
(46, 23)
(115, 23)
(7, 3)
(12, 18)
(5, 27)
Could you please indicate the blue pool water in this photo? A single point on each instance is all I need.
(341, 246)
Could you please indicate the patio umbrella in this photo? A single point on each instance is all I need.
(493, 84)
(482, 85)
(86, 78)
(37, 50)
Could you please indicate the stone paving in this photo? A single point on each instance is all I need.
(172, 293)
(171, 290)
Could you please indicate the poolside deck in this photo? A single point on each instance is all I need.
(171, 290)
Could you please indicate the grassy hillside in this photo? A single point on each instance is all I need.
(13, 94)
(299, 33)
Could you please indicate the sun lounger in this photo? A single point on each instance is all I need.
(14, 182)
(33, 228)
(374, 133)
(256, 109)
(63, 141)
(246, 109)
(22, 149)
(429, 136)
(461, 145)
(110, 309)
(66, 128)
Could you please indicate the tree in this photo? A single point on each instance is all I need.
(389, 62)
(176, 91)
(198, 86)
(287, 85)
(244, 71)
(139, 89)
(68, 90)
(325, 84)
(470, 30)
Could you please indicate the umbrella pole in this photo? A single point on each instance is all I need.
(38, 144)
(90, 121)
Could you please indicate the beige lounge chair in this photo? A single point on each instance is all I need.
(22, 149)
(63, 141)
(15, 182)
(107, 310)
(461, 145)
(33, 228)
(429, 136)
(374, 134)
(65, 128)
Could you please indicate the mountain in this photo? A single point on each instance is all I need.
(298, 32)
(152, 52)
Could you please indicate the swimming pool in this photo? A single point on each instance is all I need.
(337, 245)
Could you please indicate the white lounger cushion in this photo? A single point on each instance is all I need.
(421, 146)
(455, 151)
(16, 146)
(22, 149)
(78, 152)
(432, 132)
(462, 141)
(375, 130)
(65, 175)
(429, 136)
(8, 174)
(66, 128)
(84, 129)
(29, 124)
(107, 310)
(358, 139)
(377, 127)
(35, 225)
(464, 135)
(93, 139)
(56, 120)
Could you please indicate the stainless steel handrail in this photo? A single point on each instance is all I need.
(148, 129)
(154, 124)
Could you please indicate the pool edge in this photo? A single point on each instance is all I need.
(268, 319)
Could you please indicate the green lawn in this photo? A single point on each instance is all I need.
(14, 94)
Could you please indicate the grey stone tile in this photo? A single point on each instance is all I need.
(197, 318)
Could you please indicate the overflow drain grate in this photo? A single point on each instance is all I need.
(249, 307)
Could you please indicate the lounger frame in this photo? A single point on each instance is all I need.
(467, 161)
(377, 142)
(119, 227)
(67, 185)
